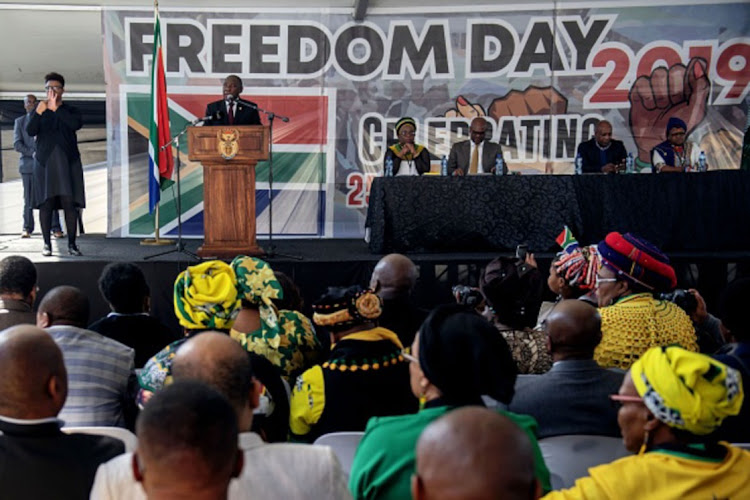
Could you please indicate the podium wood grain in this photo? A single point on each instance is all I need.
(228, 188)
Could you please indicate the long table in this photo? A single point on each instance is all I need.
(708, 212)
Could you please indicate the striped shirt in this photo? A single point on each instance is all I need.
(98, 372)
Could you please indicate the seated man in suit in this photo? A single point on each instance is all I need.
(477, 156)
(38, 459)
(215, 359)
(17, 291)
(229, 110)
(573, 397)
(602, 154)
(100, 370)
(487, 450)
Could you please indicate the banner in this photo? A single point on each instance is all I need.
(543, 79)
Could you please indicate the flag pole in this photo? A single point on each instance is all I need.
(156, 241)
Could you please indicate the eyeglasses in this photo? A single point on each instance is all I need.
(408, 357)
(619, 399)
(53, 87)
(407, 134)
(599, 280)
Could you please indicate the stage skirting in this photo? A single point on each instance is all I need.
(696, 213)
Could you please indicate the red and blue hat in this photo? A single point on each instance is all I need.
(637, 260)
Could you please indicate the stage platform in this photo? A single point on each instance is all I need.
(313, 264)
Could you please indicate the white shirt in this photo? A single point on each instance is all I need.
(480, 169)
(694, 153)
(280, 470)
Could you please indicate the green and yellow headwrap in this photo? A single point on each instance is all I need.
(687, 390)
(257, 284)
(405, 121)
(205, 296)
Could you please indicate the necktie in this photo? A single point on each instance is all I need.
(231, 114)
(473, 166)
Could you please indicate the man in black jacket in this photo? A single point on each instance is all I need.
(229, 111)
(602, 154)
(38, 459)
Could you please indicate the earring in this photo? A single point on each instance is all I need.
(422, 401)
(644, 446)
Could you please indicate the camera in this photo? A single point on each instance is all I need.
(521, 252)
(683, 298)
(468, 296)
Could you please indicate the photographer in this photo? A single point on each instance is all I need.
(707, 326)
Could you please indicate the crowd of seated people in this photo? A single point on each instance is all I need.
(452, 390)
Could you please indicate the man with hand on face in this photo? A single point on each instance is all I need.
(602, 154)
(58, 173)
(476, 156)
(229, 111)
(675, 154)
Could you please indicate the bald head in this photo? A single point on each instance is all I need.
(63, 305)
(394, 276)
(492, 456)
(33, 380)
(603, 133)
(574, 329)
(217, 360)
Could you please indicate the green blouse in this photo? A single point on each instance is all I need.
(386, 456)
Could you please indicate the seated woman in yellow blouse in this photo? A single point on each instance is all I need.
(671, 400)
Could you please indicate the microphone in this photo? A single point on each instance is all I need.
(215, 116)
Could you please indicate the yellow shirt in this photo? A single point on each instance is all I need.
(635, 324)
(665, 475)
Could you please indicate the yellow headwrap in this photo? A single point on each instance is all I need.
(687, 390)
(205, 296)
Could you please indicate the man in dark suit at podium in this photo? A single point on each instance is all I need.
(231, 110)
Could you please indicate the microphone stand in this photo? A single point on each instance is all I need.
(179, 245)
(271, 252)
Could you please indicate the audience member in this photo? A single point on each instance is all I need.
(633, 320)
(365, 374)
(671, 400)
(488, 452)
(736, 354)
(124, 287)
(476, 156)
(675, 154)
(206, 298)
(286, 338)
(394, 279)
(38, 459)
(187, 444)
(101, 376)
(214, 359)
(457, 357)
(17, 291)
(571, 398)
(408, 157)
(573, 271)
(602, 154)
(513, 292)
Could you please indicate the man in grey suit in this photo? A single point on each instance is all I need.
(573, 397)
(476, 156)
(288, 471)
(26, 145)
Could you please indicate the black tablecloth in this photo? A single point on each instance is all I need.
(707, 212)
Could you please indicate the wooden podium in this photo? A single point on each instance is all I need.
(229, 155)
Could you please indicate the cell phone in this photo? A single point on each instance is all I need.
(521, 252)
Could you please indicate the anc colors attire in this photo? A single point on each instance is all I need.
(638, 322)
(386, 456)
(365, 376)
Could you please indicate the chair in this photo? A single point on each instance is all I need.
(569, 457)
(124, 435)
(344, 445)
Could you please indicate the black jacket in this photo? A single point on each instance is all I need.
(592, 163)
(244, 115)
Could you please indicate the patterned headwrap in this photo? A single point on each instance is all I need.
(575, 264)
(675, 122)
(205, 296)
(637, 260)
(257, 284)
(405, 121)
(341, 308)
(687, 390)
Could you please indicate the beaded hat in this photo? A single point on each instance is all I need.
(637, 260)
(341, 308)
